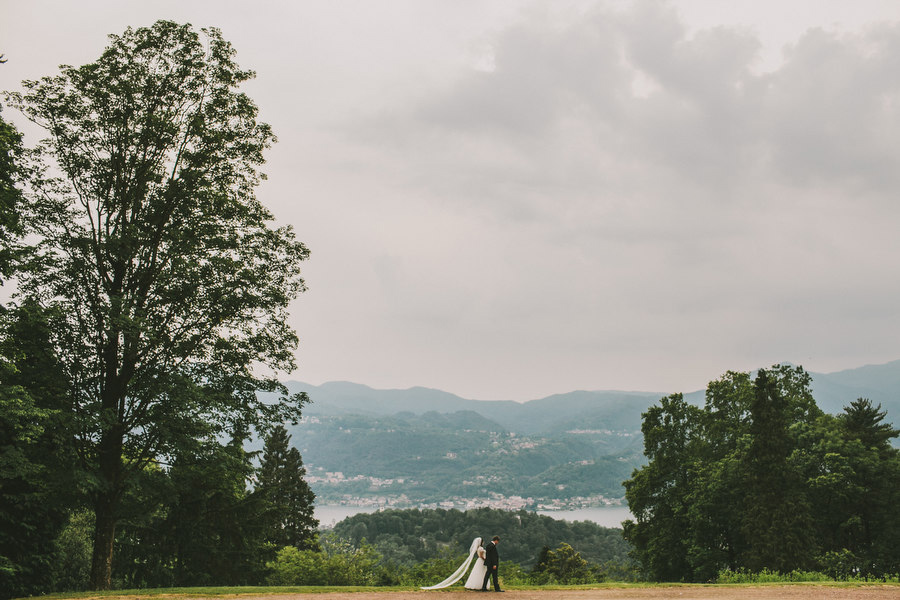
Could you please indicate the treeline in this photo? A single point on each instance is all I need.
(213, 517)
(407, 538)
(761, 480)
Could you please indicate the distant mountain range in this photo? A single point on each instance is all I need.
(420, 446)
(583, 409)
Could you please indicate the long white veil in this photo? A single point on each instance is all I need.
(457, 575)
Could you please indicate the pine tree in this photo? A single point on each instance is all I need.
(863, 420)
(776, 518)
(288, 515)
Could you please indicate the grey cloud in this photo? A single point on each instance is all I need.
(833, 111)
(558, 112)
(621, 197)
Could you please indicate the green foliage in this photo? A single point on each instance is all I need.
(288, 502)
(776, 520)
(195, 524)
(433, 569)
(839, 565)
(36, 455)
(563, 565)
(658, 494)
(761, 481)
(511, 573)
(169, 285)
(767, 576)
(457, 455)
(864, 421)
(72, 567)
(422, 547)
(342, 565)
(199, 522)
(10, 195)
(293, 566)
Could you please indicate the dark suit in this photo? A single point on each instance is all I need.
(491, 563)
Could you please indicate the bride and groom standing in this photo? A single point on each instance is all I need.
(485, 567)
(487, 561)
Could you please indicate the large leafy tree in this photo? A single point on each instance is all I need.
(658, 493)
(10, 194)
(170, 281)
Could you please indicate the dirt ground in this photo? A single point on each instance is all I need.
(768, 592)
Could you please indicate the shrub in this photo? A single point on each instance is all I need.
(841, 565)
(563, 565)
(73, 565)
(297, 567)
(767, 576)
(432, 570)
(340, 564)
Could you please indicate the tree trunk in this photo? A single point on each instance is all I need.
(106, 507)
(104, 536)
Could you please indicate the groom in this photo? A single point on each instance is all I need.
(491, 561)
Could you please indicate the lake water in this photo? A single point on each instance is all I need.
(605, 516)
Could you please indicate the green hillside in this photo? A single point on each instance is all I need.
(437, 457)
(421, 446)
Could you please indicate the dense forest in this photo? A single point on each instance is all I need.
(423, 547)
(760, 478)
(407, 537)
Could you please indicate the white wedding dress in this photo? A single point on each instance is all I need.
(474, 550)
(476, 577)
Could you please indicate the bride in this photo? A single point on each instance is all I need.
(476, 578)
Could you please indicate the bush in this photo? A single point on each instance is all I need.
(841, 566)
(341, 564)
(297, 567)
(352, 565)
(563, 565)
(73, 565)
(512, 574)
(432, 570)
(767, 576)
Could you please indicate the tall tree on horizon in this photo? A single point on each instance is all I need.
(866, 422)
(168, 285)
(288, 515)
(658, 493)
(776, 523)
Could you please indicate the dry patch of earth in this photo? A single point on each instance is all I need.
(681, 592)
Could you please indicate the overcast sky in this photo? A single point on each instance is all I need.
(506, 200)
